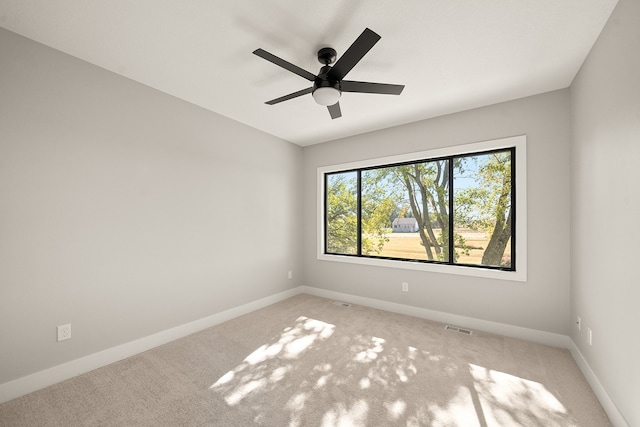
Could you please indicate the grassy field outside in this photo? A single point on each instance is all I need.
(409, 246)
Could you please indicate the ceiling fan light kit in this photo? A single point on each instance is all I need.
(328, 85)
(326, 95)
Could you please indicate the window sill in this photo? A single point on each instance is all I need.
(517, 276)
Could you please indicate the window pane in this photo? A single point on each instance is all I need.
(483, 210)
(405, 211)
(380, 198)
(341, 215)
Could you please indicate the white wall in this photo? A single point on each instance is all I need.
(541, 303)
(119, 210)
(605, 236)
(113, 200)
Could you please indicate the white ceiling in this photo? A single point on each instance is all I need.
(452, 55)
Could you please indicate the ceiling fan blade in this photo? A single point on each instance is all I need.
(354, 54)
(290, 96)
(334, 110)
(367, 87)
(284, 64)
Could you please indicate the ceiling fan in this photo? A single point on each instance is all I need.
(328, 85)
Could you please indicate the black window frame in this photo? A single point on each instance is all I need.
(451, 244)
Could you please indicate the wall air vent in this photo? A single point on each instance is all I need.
(457, 329)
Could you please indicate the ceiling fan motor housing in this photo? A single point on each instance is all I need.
(327, 55)
(322, 80)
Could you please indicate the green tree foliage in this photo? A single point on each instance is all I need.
(379, 204)
(427, 190)
(487, 206)
(342, 205)
(421, 191)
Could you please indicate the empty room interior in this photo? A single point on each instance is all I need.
(319, 213)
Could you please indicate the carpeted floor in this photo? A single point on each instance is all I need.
(308, 362)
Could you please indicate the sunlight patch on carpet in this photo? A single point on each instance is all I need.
(320, 375)
(396, 409)
(371, 353)
(343, 415)
(507, 398)
(458, 411)
(258, 373)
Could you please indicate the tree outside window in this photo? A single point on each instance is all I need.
(463, 206)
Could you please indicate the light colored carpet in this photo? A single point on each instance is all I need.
(308, 362)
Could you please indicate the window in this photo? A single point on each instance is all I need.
(450, 210)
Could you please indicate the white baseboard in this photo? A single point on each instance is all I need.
(547, 338)
(615, 416)
(38, 380)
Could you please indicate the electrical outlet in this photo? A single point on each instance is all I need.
(405, 287)
(64, 332)
(290, 275)
(590, 336)
(579, 323)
